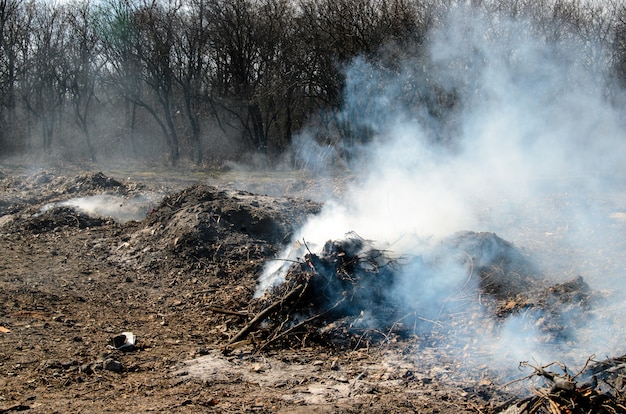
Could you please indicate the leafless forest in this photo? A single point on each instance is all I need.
(203, 81)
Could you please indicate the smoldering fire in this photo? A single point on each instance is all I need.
(534, 156)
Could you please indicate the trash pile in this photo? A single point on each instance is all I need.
(347, 294)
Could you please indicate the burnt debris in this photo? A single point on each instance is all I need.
(351, 291)
(597, 388)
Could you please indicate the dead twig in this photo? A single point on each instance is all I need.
(561, 381)
(589, 359)
(277, 336)
(293, 306)
(241, 314)
(565, 396)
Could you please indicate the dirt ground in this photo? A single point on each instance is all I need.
(70, 282)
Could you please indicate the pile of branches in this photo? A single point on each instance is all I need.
(352, 294)
(337, 294)
(563, 395)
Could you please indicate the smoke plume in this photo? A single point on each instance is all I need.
(498, 127)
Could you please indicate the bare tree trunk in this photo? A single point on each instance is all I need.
(173, 136)
(131, 124)
(195, 130)
(172, 142)
(82, 123)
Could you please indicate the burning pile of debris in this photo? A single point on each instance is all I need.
(350, 294)
(323, 295)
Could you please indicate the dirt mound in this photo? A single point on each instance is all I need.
(503, 271)
(19, 193)
(93, 182)
(213, 227)
(54, 218)
(43, 201)
(515, 284)
(261, 217)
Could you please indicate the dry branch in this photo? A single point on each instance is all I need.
(228, 312)
(564, 395)
(265, 312)
(278, 334)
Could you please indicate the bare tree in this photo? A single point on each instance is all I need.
(276, 74)
(234, 45)
(44, 86)
(155, 23)
(84, 60)
(14, 29)
(620, 45)
(121, 72)
(191, 60)
(338, 32)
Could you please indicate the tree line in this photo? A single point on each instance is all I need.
(203, 80)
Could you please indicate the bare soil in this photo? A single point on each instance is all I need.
(71, 281)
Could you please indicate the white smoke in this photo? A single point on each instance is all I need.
(120, 209)
(533, 151)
